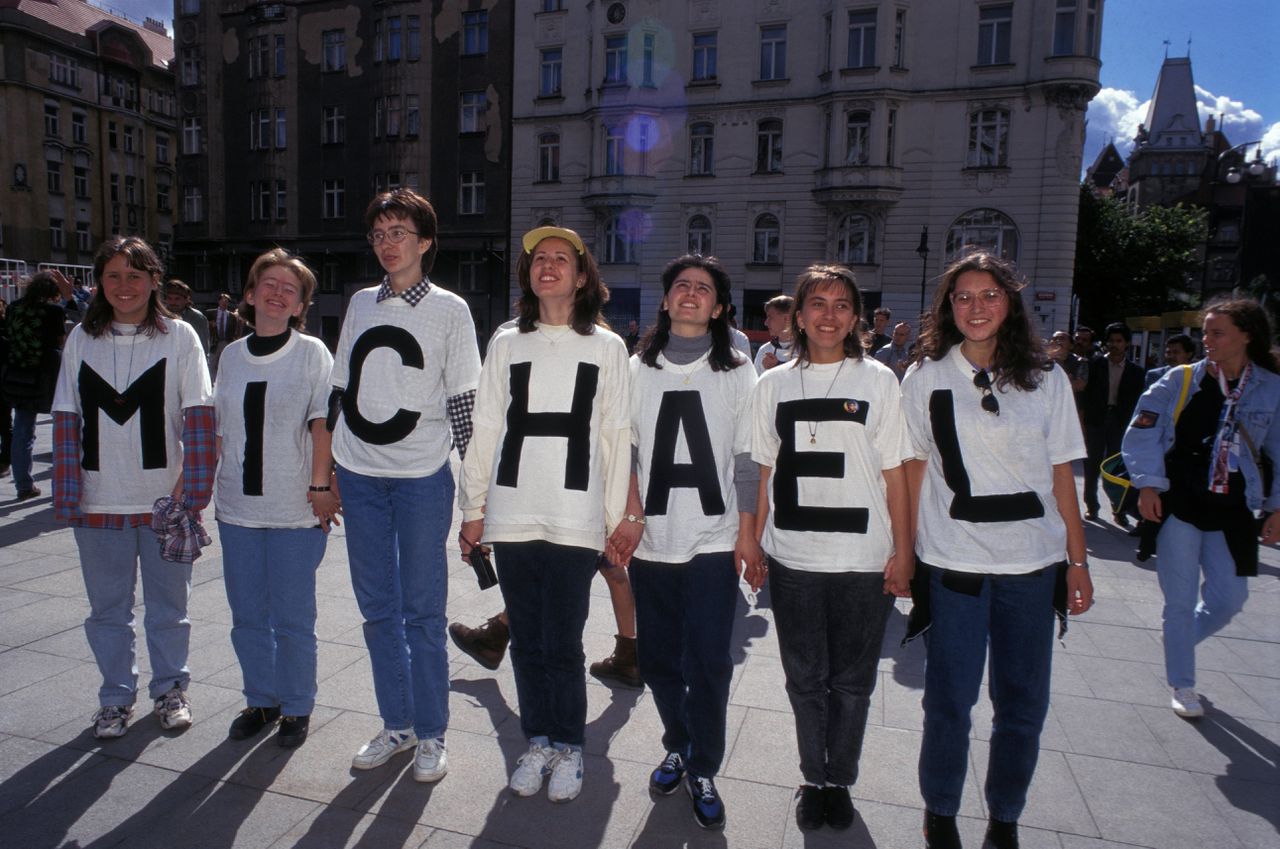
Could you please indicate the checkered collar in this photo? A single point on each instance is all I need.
(413, 294)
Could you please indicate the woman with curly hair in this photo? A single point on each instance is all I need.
(997, 515)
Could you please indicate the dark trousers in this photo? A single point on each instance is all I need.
(684, 623)
(547, 590)
(6, 431)
(1100, 442)
(830, 627)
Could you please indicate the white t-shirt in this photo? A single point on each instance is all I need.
(129, 391)
(264, 407)
(399, 364)
(550, 452)
(783, 351)
(828, 442)
(687, 464)
(987, 502)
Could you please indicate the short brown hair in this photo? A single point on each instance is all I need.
(282, 258)
(406, 203)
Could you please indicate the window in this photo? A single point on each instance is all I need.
(826, 43)
(769, 147)
(259, 129)
(281, 59)
(988, 139)
(986, 229)
(614, 140)
(767, 237)
(259, 55)
(190, 70)
(282, 200)
(130, 140)
(857, 139)
(53, 167)
(890, 136)
(113, 136)
(162, 148)
(282, 128)
(379, 116)
(64, 71)
(115, 188)
(700, 235)
(260, 201)
(57, 236)
(551, 5)
(1064, 28)
(393, 116)
(854, 240)
(52, 124)
(80, 183)
(191, 135)
(471, 276)
(646, 59)
(615, 59)
(333, 125)
(618, 245)
(1091, 28)
(900, 39)
(862, 39)
(473, 108)
(334, 198)
(475, 33)
(413, 38)
(130, 189)
(550, 72)
(79, 128)
(82, 236)
(471, 193)
(379, 44)
(702, 149)
(773, 52)
(995, 28)
(704, 56)
(162, 196)
(394, 35)
(190, 7)
(192, 204)
(549, 157)
(411, 116)
(335, 50)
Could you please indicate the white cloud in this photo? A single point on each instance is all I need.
(1237, 119)
(1271, 143)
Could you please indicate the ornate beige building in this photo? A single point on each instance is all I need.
(774, 134)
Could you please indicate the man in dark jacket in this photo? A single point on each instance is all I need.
(1108, 402)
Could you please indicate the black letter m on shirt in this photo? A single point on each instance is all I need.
(144, 397)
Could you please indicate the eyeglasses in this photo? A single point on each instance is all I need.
(395, 235)
(989, 297)
(990, 403)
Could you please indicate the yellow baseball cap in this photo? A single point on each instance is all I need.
(537, 234)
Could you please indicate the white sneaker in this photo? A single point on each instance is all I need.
(1186, 703)
(530, 770)
(173, 709)
(566, 776)
(112, 721)
(380, 749)
(431, 762)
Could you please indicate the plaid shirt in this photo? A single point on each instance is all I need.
(459, 408)
(414, 294)
(179, 529)
(199, 459)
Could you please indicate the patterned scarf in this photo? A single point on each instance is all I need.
(1226, 446)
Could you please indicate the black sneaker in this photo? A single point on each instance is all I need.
(708, 810)
(1001, 835)
(810, 810)
(252, 720)
(838, 807)
(666, 778)
(293, 731)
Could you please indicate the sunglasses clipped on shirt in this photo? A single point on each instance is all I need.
(990, 402)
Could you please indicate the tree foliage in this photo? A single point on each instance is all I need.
(1140, 263)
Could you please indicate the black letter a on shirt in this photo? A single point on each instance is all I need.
(145, 396)
(574, 425)
(682, 408)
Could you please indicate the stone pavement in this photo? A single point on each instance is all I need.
(1117, 767)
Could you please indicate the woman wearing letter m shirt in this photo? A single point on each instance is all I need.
(997, 518)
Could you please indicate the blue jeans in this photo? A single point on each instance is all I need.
(24, 443)
(396, 532)
(270, 575)
(547, 590)
(830, 628)
(684, 624)
(1182, 551)
(110, 562)
(1013, 616)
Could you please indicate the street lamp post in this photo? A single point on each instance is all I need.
(923, 250)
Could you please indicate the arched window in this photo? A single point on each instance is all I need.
(702, 149)
(855, 240)
(985, 229)
(700, 235)
(767, 240)
(618, 244)
(857, 149)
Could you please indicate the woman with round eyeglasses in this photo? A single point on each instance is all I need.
(997, 530)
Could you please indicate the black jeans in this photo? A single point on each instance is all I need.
(1100, 442)
(830, 627)
(684, 624)
(547, 589)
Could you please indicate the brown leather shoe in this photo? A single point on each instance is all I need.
(486, 645)
(620, 667)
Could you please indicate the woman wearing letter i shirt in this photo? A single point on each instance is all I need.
(997, 513)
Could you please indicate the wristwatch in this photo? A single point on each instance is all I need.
(632, 517)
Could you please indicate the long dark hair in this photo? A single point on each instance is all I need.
(97, 318)
(588, 299)
(723, 355)
(1249, 317)
(40, 289)
(1019, 357)
(812, 278)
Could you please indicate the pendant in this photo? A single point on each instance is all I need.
(686, 380)
(813, 439)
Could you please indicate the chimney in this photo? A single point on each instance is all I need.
(155, 26)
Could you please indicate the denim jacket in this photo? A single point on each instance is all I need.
(1150, 434)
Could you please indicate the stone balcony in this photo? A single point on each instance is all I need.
(619, 191)
(857, 184)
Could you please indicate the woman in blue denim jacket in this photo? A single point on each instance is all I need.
(1202, 477)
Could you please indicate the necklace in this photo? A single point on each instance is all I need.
(115, 371)
(564, 331)
(689, 369)
(813, 426)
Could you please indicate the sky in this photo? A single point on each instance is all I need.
(1229, 45)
